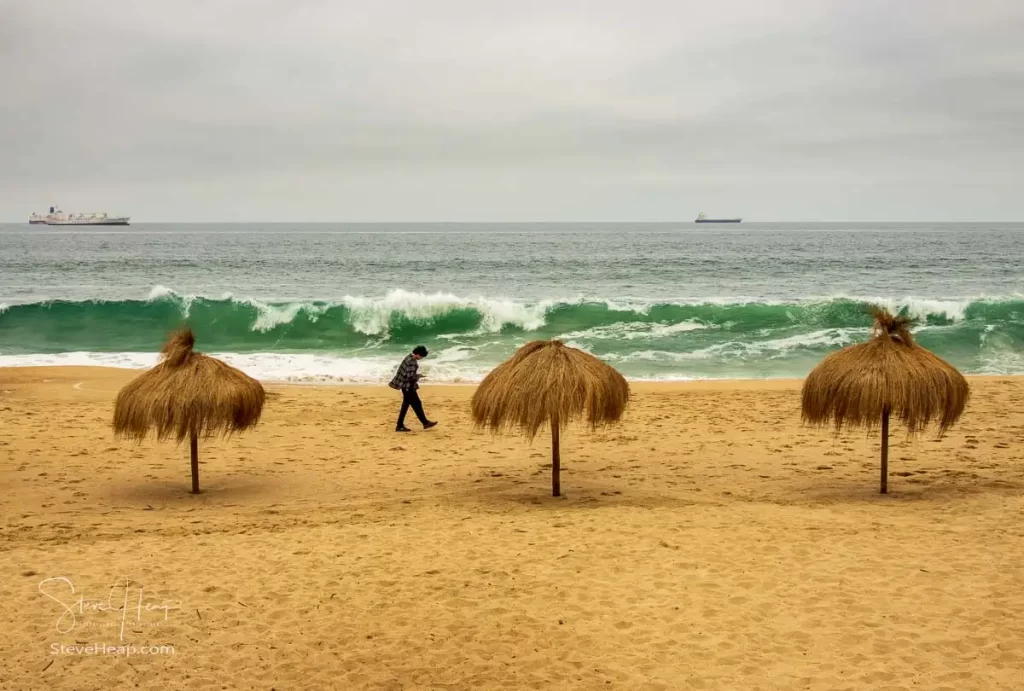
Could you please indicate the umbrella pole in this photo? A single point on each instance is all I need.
(885, 450)
(194, 448)
(556, 485)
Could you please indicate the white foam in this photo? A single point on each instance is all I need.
(158, 291)
(773, 348)
(459, 353)
(661, 356)
(372, 316)
(998, 353)
(578, 346)
(635, 330)
(81, 359)
(270, 316)
(286, 367)
(920, 308)
(827, 338)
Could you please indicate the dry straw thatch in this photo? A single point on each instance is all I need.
(547, 382)
(188, 394)
(890, 374)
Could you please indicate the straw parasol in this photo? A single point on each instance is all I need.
(188, 394)
(547, 382)
(862, 385)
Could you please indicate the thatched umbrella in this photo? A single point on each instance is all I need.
(862, 385)
(549, 382)
(188, 394)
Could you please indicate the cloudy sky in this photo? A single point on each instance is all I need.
(330, 110)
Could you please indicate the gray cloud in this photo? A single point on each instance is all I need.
(236, 110)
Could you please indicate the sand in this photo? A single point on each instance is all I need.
(709, 542)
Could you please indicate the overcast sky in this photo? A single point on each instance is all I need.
(331, 110)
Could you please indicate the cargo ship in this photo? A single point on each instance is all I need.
(56, 217)
(701, 218)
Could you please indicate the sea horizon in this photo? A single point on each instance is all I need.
(16, 223)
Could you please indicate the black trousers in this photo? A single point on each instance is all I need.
(411, 399)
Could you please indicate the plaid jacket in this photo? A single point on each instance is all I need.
(406, 377)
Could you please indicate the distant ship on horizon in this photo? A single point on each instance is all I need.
(701, 218)
(56, 217)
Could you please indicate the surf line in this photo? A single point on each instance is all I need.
(78, 386)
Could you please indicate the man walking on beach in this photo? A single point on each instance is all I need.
(406, 380)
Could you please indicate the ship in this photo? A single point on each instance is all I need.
(701, 218)
(56, 217)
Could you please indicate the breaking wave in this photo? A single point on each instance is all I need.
(359, 336)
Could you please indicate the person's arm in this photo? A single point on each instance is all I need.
(409, 373)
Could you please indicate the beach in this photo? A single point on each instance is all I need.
(710, 541)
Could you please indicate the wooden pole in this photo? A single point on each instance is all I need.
(556, 466)
(194, 448)
(885, 450)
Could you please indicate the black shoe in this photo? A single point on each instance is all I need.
(403, 428)
(429, 424)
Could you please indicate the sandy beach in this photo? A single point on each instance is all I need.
(708, 542)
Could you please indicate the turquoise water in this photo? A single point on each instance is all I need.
(342, 302)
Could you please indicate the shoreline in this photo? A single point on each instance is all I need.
(127, 373)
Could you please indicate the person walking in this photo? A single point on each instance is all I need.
(406, 380)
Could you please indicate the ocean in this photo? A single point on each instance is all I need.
(658, 301)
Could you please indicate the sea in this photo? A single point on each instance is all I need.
(343, 303)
